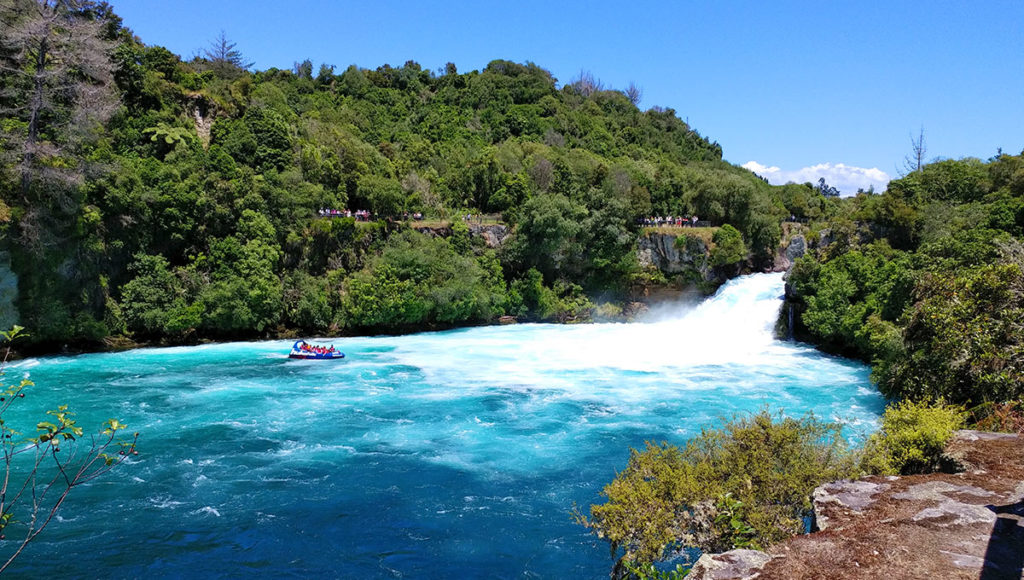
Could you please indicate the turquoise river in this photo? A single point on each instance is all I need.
(457, 454)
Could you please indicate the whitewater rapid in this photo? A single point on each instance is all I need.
(447, 454)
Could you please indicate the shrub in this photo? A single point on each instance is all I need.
(746, 484)
(729, 247)
(912, 437)
(1005, 417)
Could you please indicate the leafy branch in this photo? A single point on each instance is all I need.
(40, 471)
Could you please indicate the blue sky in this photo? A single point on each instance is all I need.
(793, 89)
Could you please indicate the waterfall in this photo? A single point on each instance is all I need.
(418, 455)
(789, 326)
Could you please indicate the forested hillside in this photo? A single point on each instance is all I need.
(147, 196)
(925, 281)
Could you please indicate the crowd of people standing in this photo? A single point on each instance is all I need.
(361, 214)
(678, 221)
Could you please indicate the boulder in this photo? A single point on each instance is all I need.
(796, 248)
(659, 251)
(9, 315)
(840, 500)
(731, 565)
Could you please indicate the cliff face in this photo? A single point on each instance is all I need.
(788, 252)
(493, 235)
(968, 524)
(660, 251)
(682, 256)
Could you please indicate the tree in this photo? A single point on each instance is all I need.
(547, 234)
(41, 471)
(225, 59)
(586, 84)
(825, 189)
(634, 93)
(56, 89)
(914, 161)
(729, 247)
(385, 195)
(304, 69)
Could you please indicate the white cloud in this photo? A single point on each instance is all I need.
(846, 178)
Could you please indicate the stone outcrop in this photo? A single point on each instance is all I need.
(682, 255)
(493, 235)
(202, 111)
(968, 524)
(735, 564)
(660, 251)
(792, 249)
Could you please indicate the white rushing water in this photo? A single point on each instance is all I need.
(453, 454)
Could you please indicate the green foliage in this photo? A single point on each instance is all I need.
(650, 572)
(547, 235)
(198, 215)
(384, 196)
(309, 302)
(152, 299)
(42, 469)
(746, 484)
(963, 339)
(423, 280)
(939, 317)
(912, 437)
(732, 524)
(729, 248)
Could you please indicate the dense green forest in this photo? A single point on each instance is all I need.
(925, 282)
(150, 197)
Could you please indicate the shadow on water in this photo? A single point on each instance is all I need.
(1004, 556)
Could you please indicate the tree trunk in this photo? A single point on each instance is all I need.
(35, 110)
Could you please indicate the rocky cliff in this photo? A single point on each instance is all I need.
(683, 257)
(493, 235)
(963, 525)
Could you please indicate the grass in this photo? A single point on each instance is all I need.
(703, 234)
(427, 223)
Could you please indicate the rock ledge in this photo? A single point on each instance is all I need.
(967, 525)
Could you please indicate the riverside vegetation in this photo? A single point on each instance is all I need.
(923, 281)
(149, 197)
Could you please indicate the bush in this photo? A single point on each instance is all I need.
(729, 247)
(746, 484)
(912, 437)
(1005, 417)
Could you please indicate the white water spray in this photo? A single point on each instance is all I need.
(735, 325)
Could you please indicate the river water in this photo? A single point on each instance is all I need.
(457, 454)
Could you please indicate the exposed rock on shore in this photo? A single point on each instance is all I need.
(967, 525)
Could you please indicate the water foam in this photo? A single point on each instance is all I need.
(378, 453)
